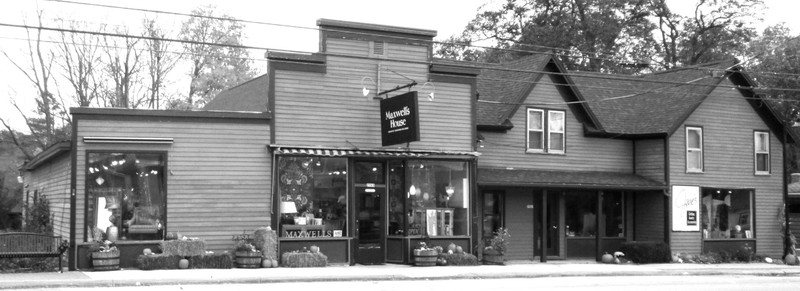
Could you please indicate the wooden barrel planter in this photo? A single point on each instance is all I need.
(425, 258)
(245, 259)
(105, 261)
(493, 259)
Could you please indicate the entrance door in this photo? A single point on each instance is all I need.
(371, 231)
(553, 223)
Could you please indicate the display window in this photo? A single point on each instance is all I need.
(437, 198)
(726, 213)
(313, 196)
(581, 213)
(126, 196)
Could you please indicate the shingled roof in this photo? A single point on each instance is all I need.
(647, 104)
(248, 96)
(506, 84)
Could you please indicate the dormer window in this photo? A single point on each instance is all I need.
(546, 131)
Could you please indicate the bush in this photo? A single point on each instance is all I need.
(304, 259)
(25, 265)
(460, 259)
(211, 261)
(158, 262)
(646, 252)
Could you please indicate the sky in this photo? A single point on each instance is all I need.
(447, 17)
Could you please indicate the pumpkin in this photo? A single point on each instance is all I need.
(266, 263)
(790, 259)
(451, 248)
(314, 249)
(147, 252)
(275, 263)
(183, 264)
(607, 258)
(459, 250)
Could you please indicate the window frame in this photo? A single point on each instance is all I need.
(546, 115)
(751, 217)
(689, 150)
(756, 152)
(164, 185)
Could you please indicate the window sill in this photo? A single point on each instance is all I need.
(694, 172)
(762, 174)
(545, 153)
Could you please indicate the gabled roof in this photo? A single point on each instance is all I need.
(647, 104)
(503, 86)
(248, 96)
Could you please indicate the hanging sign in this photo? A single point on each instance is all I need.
(685, 208)
(399, 119)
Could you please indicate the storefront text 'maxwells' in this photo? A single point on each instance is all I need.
(399, 119)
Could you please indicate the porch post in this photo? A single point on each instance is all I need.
(544, 229)
(601, 227)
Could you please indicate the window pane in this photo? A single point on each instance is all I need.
(580, 213)
(694, 160)
(556, 141)
(535, 140)
(726, 214)
(556, 121)
(397, 196)
(693, 139)
(762, 142)
(126, 195)
(762, 162)
(313, 190)
(535, 120)
(440, 201)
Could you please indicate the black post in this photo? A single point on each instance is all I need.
(545, 229)
(786, 233)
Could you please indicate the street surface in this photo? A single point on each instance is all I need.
(671, 283)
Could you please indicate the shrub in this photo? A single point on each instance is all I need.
(158, 262)
(211, 261)
(646, 252)
(464, 259)
(299, 259)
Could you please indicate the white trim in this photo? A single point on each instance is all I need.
(756, 152)
(528, 131)
(694, 150)
(128, 140)
(563, 132)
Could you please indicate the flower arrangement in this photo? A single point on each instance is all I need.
(103, 246)
(499, 242)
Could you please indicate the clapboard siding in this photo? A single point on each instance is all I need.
(728, 123)
(650, 158)
(53, 180)
(219, 183)
(519, 221)
(329, 110)
(393, 51)
(582, 153)
(648, 216)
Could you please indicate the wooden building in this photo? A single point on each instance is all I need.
(371, 145)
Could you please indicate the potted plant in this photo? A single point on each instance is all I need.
(494, 253)
(425, 256)
(247, 256)
(105, 256)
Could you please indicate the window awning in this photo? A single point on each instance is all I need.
(345, 152)
(565, 179)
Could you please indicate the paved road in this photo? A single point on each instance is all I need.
(657, 283)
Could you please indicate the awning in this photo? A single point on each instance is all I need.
(345, 152)
(565, 179)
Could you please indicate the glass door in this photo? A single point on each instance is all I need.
(370, 194)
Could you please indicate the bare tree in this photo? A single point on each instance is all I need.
(160, 61)
(80, 59)
(123, 65)
(39, 71)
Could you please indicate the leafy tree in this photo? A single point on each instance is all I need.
(160, 62)
(217, 59)
(38, 218)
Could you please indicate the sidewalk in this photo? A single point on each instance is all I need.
(133, 277)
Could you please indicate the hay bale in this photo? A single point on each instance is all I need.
(158, 262)
(304, 259)
(266, 241)
(183, 248)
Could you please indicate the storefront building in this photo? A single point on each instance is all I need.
(371, 145)
(576, 164)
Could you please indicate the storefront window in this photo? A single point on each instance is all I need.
(726, 214)
(437, 198)
(580, 213)
(397, 194)
(313, 194)
(126, 196)
(613, 212)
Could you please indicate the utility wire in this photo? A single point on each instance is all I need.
(583, 54)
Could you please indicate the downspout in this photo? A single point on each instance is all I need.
(72, 257)
(667, 196)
